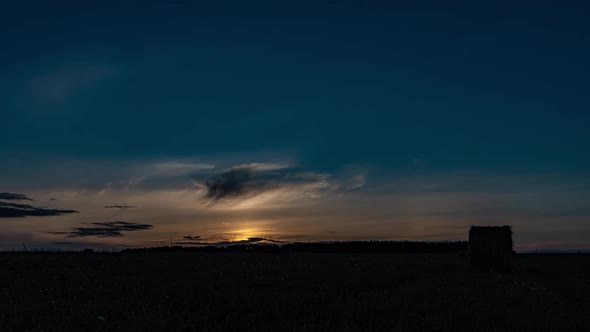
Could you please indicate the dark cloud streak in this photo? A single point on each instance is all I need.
(250, 180)
(105, 229)
(15, 197)
(123, 207)
(12, 210)
(230, 183)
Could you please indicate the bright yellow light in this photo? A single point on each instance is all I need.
(243, 234)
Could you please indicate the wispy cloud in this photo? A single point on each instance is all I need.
(63, 83)
(175, 168)
(159, 174)
(261, 167)
(250, 180)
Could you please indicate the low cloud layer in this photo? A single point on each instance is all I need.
(194, 241)
(105, 229)
(190, 240)
(15, 197)
(12, 210)
(250, 240)
(123, 207)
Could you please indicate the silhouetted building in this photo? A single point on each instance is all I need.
(490, 246)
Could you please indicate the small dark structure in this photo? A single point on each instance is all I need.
(490, 246)
(88, 250)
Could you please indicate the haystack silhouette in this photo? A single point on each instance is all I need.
(490, 246)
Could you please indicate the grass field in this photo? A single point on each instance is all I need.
(289, 292)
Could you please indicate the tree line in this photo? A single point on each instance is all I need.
(325, 247)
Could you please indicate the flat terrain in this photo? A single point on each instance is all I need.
(289, 292)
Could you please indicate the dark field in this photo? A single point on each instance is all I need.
(290, 292)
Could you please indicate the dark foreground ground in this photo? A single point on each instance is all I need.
(289, 292)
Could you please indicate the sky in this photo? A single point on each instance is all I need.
(153, 122)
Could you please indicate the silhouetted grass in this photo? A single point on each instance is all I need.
(189, 291)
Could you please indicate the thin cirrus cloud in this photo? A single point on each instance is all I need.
(155, 175)
(65, 82)
(174, 168)
(105, 229)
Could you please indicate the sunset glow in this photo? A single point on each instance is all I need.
(351, 121)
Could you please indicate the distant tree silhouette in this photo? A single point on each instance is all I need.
(326, 247)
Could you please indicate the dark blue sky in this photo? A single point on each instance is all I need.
(389, 91)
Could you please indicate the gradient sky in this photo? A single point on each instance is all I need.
(292, 121)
